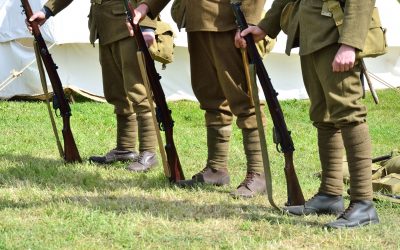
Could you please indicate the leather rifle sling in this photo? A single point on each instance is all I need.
(149, 92)
(47, 97)
(250, 73)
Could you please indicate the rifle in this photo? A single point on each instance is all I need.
(364, 72)
(381, 158)
(281, 133)
(71, 153)
(163, 113)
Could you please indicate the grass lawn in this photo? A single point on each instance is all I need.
(46, 204)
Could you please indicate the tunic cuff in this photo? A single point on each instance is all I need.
(47, 12)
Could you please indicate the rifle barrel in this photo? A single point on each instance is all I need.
(381, 158)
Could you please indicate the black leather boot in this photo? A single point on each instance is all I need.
(359, 213)
(217, 177)
(114, 156)
(319, 204)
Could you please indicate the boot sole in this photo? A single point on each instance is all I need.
(355, 226)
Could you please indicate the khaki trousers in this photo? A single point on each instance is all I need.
(340, 118)
(213, 56)
(122, 82)
(335, 97)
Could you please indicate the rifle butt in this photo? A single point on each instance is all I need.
(294, 192)
(295, 195)
(176, 172)
(71, 153)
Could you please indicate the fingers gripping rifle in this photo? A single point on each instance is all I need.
(281, 133)
(163, 113)
(71, 153)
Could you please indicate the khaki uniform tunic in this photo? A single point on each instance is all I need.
(335, 97)
(217, 74)
(122, 81)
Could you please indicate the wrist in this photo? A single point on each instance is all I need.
(47, 12)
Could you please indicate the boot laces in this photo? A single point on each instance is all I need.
(202, 171)
(248, 179)
(314, 196)
(141, 156)
(111, 154)
(351, 205)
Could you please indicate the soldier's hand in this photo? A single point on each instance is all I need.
(129, 27)
(240, 42)
(257, 32)
(38, 17)
(344, 59)
(140, 13)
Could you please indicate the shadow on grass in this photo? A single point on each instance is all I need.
(54, 174)
(171, 210)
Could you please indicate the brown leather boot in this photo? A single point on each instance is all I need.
(217, 177)
(216, 171)
(253, 184)
(144, 163)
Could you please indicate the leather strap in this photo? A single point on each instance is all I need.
(253, 92)
(149, 92)
(47, 96)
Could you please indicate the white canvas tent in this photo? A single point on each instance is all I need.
(79, 67)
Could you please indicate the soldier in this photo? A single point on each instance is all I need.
(218, 82)
(122, 82)
(331, 74)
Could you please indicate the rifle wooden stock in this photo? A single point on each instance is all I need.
(295, 195)
(71, 153)
(163, 113)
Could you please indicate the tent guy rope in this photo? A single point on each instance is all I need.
(14, 74)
